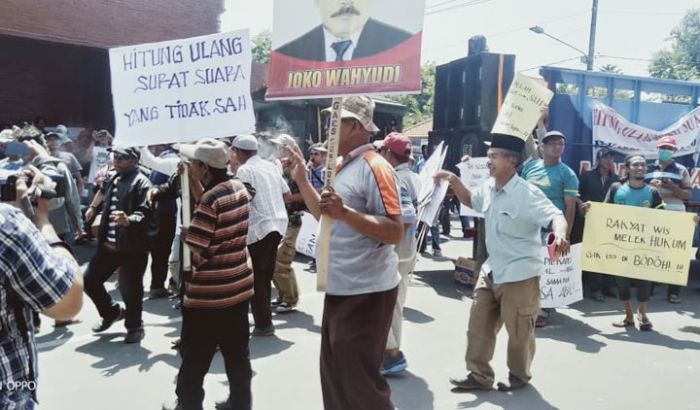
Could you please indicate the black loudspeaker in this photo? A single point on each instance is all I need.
(460, 142)
(467, 90)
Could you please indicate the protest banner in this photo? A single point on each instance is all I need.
(636, 242)
(473, 173)
(612, 130)
(182, 90)
(325, 48)
(308, 235)
(430, 196)
(522, 107)
(561, 283)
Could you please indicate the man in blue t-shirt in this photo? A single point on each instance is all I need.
(557, 181)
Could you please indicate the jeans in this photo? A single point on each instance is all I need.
(202, 331)
(434, 236)
(101, 267)
(160, 252)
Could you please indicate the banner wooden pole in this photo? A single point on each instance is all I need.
(186, 216)
(324, 237)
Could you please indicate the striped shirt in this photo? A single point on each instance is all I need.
(32, 275)
(222, 274)
(113, 206)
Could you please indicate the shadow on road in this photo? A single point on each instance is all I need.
(297, 320)
(267, 346)
(575, 332)
(116, 356)
(654, 338)
(527, 398)
(442, 281)
(416, 316)
(409, 391)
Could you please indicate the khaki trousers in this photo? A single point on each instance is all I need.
(514, 304)
(283, 278)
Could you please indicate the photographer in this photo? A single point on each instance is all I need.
(39, 274)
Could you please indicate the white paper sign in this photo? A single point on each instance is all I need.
(522, 107)
(182, 90)
(561, 283)
(472, 174)
(430, 196)
(100, 156)
(308, 233)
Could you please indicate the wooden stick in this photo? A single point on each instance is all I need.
(324, 237)
(186, 216)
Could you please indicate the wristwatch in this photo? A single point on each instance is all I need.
(61, 244)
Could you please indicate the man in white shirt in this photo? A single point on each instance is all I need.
(268, 222)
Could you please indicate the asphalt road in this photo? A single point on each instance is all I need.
(582, 362)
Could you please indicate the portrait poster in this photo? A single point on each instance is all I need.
(326, 48)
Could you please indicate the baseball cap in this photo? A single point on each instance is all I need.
(132, 152)
(552, 134)
(319, 147)
(398, 143)
(667, 142)
(208, 150)
(360, 108)
(245, 142)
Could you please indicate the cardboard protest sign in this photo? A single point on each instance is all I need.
(472, 174)
(561, 283)
(610, 129)
(326, 48)
(522, 107)
(636, 242)
(308, 235)
(182, 90)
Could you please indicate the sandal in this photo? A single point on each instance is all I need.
(644, 323)
(672, 298)
(624, 323)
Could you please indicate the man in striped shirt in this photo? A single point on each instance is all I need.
(215, 305)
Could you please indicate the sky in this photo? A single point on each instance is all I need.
(628, 31)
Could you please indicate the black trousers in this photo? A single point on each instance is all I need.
(160, 251)
(264, 254)
(354, 331)
(102, 265)
(202, 331)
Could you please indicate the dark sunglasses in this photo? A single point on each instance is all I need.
(121, 157)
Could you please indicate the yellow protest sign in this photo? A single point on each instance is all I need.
(640, 243)
(522, 107)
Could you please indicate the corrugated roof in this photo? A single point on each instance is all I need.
(419, 130)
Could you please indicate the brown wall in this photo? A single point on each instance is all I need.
(109, 23)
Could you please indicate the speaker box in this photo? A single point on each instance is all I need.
(460, 142)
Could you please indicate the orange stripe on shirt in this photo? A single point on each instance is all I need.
(384, 175)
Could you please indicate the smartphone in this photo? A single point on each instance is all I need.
(16, 149)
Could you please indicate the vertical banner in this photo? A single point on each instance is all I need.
(473, 173)
(182, 90)
(639, 243)
(561, 283)
(326, 48)
(522, 107)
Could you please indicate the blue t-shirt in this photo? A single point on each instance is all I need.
(556, 181)
(623, 194)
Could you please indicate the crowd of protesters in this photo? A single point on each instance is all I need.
(246, 214)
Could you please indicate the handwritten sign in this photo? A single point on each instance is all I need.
(640, 243)
(472, 174)
(182, 90)
(561, 283)
(308, 234)
(522, 107)
(100, 157)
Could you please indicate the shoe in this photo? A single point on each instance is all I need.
(134, 335)
(268, 330)
(224, 405)
(437, 253)
(175, 344)
(275, 303)
(425, 254)
(64, 323)
(624, 323)
(644, 323)
(469, 384)
(673, 298)
(175, 405)
(106, 323)
(393, 365)
(284, 307)
(514, 383)
(158, 293)
(597, 296)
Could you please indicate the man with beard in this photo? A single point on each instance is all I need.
(347, 33)
(123, 242)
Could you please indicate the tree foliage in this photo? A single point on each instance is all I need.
(682, 61)
(262, 45)
(420, 106)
